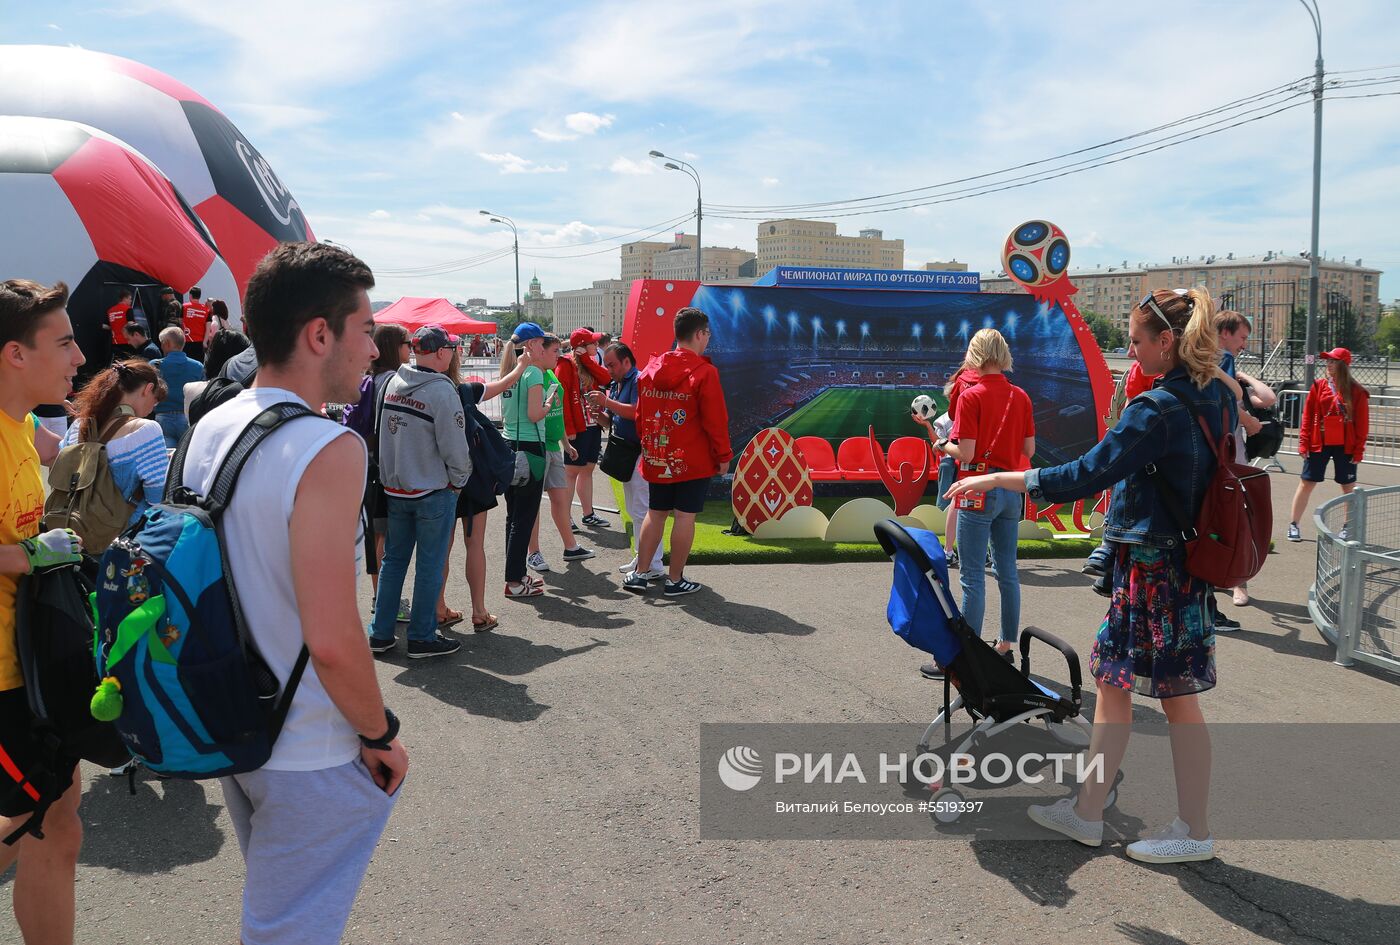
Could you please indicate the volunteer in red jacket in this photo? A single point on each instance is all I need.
(194, 318)
(684, 428)
(1336, 421)
(578, 374)
(117, 317)
(995, 432)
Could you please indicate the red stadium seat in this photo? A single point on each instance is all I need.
(908, 449)
(821, 461)
(856, 462)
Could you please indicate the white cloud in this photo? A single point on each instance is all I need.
(587, 123)
(770, 182)
(379, 214)
(625, 165)
(515, 164)
(575, 231)
(55, 26)
(544, 135)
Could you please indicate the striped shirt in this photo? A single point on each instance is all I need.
(139, 462)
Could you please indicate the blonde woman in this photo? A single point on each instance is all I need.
(1158, 639)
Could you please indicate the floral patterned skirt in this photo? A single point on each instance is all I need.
(1159, 636)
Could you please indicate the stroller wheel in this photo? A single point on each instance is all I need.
(946, 806)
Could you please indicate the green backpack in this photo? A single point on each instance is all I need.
(84, 495)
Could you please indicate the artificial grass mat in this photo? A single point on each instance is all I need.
(712, 546)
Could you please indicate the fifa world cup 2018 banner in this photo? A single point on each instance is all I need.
(832, 363)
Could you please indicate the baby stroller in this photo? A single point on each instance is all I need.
(993, 692)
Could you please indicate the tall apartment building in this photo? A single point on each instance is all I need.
(637, 257)
(603, 306)
(816, 243)
(721, 264)
(1114, 291)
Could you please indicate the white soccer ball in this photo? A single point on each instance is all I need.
(924, 407)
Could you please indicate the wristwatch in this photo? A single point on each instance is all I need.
(941, 445)
(382, 742)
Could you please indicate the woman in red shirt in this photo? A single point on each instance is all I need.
(1336, 421)
(578, 374)
(995, 432)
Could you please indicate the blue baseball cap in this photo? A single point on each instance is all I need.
(526, 331)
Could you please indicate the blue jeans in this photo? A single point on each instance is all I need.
(424, 525)
(997, 523)
(174, 425)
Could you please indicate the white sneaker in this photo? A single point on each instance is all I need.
(1172, 844)
(1061, 818)
(651, 575)
(536, 562)
(629, 566)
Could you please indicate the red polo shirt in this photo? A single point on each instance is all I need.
(980, 412)
(116, 320)
(965, 377)
(196, 319)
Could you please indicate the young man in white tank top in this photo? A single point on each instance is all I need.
(292, 531)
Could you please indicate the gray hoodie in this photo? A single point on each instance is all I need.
(422, 435)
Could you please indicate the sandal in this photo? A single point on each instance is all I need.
(523, 589)
(450, 619)
(482, 626)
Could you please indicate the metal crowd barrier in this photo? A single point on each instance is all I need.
(1355, 598)
(1382, 443)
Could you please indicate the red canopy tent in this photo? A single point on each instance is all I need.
(413, 313)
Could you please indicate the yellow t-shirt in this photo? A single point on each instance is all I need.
(21, 507)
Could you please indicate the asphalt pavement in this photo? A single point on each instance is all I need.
(555, 771)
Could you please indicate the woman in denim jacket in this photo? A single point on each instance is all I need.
(1158, 638)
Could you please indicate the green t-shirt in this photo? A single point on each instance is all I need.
(515, 408)
(554, 420)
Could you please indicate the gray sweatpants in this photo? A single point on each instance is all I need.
(307, 838)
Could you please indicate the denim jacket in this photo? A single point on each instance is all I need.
(1155, 428)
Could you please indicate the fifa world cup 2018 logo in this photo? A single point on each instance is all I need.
(1036, 253)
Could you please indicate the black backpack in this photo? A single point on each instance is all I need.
(493, 461)
(54, 632)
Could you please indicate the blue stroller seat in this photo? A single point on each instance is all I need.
(994, 693)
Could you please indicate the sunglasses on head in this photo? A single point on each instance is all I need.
(1149, 304)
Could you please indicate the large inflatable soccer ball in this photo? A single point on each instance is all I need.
(1036, 253)
(227, 182)
(84, 208)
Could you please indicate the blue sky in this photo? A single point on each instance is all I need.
(393, 123)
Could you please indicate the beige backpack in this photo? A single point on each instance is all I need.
(84, 495)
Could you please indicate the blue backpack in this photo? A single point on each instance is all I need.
(180, 676)
(493, 461)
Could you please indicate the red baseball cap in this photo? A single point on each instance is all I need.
(1337, 354)
(582, 336)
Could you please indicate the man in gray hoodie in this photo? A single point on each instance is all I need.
(423, 463)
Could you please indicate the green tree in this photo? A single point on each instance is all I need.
(1388, 333)
(1108, 335)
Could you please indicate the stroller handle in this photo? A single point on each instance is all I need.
(893, 538)
(1071, 659)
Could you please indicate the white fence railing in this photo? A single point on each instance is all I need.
(1382, 442)
(1355, 598)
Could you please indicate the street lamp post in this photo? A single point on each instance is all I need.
(1310, 344)
(676, 164)
(502, 218)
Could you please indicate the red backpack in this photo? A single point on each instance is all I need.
(1230, 538)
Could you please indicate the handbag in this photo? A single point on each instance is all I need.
(620, 458)
(1334, 431)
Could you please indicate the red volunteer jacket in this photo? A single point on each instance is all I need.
(681, 418)
(574, 418)
(1323, 401)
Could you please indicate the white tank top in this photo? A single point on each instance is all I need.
(258, 540)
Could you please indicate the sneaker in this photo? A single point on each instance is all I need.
(573, 527)
(1172, 844)
(952, 558)
(1009, 656)
(377, 645)
(681, 587)
(578, 554)
(651, 575)
(1224, 624)
(536, 562)
(1097, 561)
(1103, 585)
(1061, 818)
(1345, 533)
(629, 566)
(593, 521)
(121, 771)
(1293, 533)
(523, 589)
(635, 583)
(930, 670)
(405, 609)
(1239, 596)
(438, 646)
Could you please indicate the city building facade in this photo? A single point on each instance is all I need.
(721, 264)
(637, 257)
(817, 243)
(602, 306)
(539, 308)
